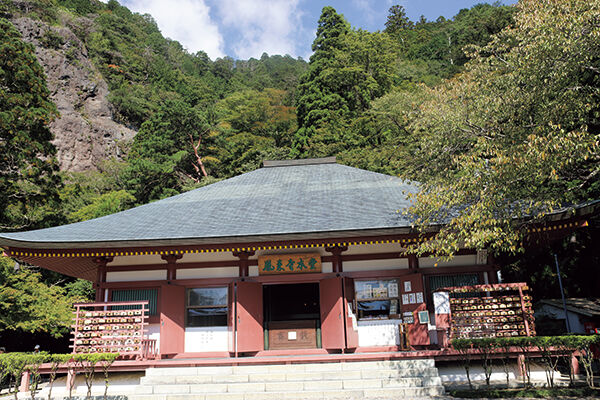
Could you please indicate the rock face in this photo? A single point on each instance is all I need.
(85, 133)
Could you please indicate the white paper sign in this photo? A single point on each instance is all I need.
(393, 289)
(394, 307)
(412, 298)
(441, 302)
(291, 335)
(419, 297)
(407, 286)
(404, 299)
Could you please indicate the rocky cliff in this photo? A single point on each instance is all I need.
(85, 132)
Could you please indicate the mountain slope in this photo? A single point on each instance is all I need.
(85, 132)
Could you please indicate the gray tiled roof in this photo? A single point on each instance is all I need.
(271, 201)
(589, 307)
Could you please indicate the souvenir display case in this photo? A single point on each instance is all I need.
(377, 299)
(497, 310)
(115, 327)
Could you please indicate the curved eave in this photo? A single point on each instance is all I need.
(211, 241)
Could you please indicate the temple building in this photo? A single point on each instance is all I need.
(297, 257)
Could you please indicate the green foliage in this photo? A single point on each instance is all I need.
(431, 50)
(52, 40)
(542, 393)
(14, 364)
(163, 157)
(80, 289)
(346, 72)
(28, 304)
(28, 181)
(108, 203)
(551, 347)
(515, 136)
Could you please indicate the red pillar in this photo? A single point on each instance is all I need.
(413, 262)
(172, 311)
(101, 276)
(336, 263)
(574, 364)
(171, 259)
(24, 386)
(243, 261)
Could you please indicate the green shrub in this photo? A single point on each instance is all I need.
(552, 349)
(13, 365)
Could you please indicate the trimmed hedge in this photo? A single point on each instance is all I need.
(13, 365)
(552, 349)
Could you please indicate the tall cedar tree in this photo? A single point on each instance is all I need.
(28, 170)
(319, 103)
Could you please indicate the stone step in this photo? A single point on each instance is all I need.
(313, 385)
(289, 377)
(396, 393)
(281, 368)
(347, 380)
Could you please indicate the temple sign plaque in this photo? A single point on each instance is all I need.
(289, 264)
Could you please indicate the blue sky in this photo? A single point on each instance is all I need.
(246, 28)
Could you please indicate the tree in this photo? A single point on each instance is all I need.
(319, 101)
(29, 305)
(347, 71)
(516, 136)
(169, 149)
(28, 170)
(253, 126)
(397, 21)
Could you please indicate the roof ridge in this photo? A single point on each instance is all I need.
(304, 161)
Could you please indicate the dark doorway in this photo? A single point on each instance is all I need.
(292, 316)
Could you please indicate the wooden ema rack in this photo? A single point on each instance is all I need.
(115, 327)
(497, 310)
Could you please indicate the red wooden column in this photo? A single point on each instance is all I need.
(101, 276)
(413, 262)
(337, 251)
(171, 259)
(243, 262)
(172, 311)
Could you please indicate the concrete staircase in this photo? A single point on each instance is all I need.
(349, 380)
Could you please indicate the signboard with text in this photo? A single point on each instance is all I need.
(289, 264)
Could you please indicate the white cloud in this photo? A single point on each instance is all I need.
(187, 21)
(270, 26)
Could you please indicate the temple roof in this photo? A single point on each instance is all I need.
(282, 200)
(589, 307)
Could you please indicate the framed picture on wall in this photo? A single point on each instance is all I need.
(423, 317)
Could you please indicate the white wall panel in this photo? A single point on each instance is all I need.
(154, 333)
(200, 273)
(137, 260)
(378, 332)
(203, 257)
(206, 339)
(130, 276)
(371, 265)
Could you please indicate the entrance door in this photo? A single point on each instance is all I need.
(292, 316)
(172, 320)
(332, 314)
(249, 308)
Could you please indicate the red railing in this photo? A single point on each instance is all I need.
(113, 327)
(149, 349)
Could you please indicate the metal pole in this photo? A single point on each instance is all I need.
(562, 294)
